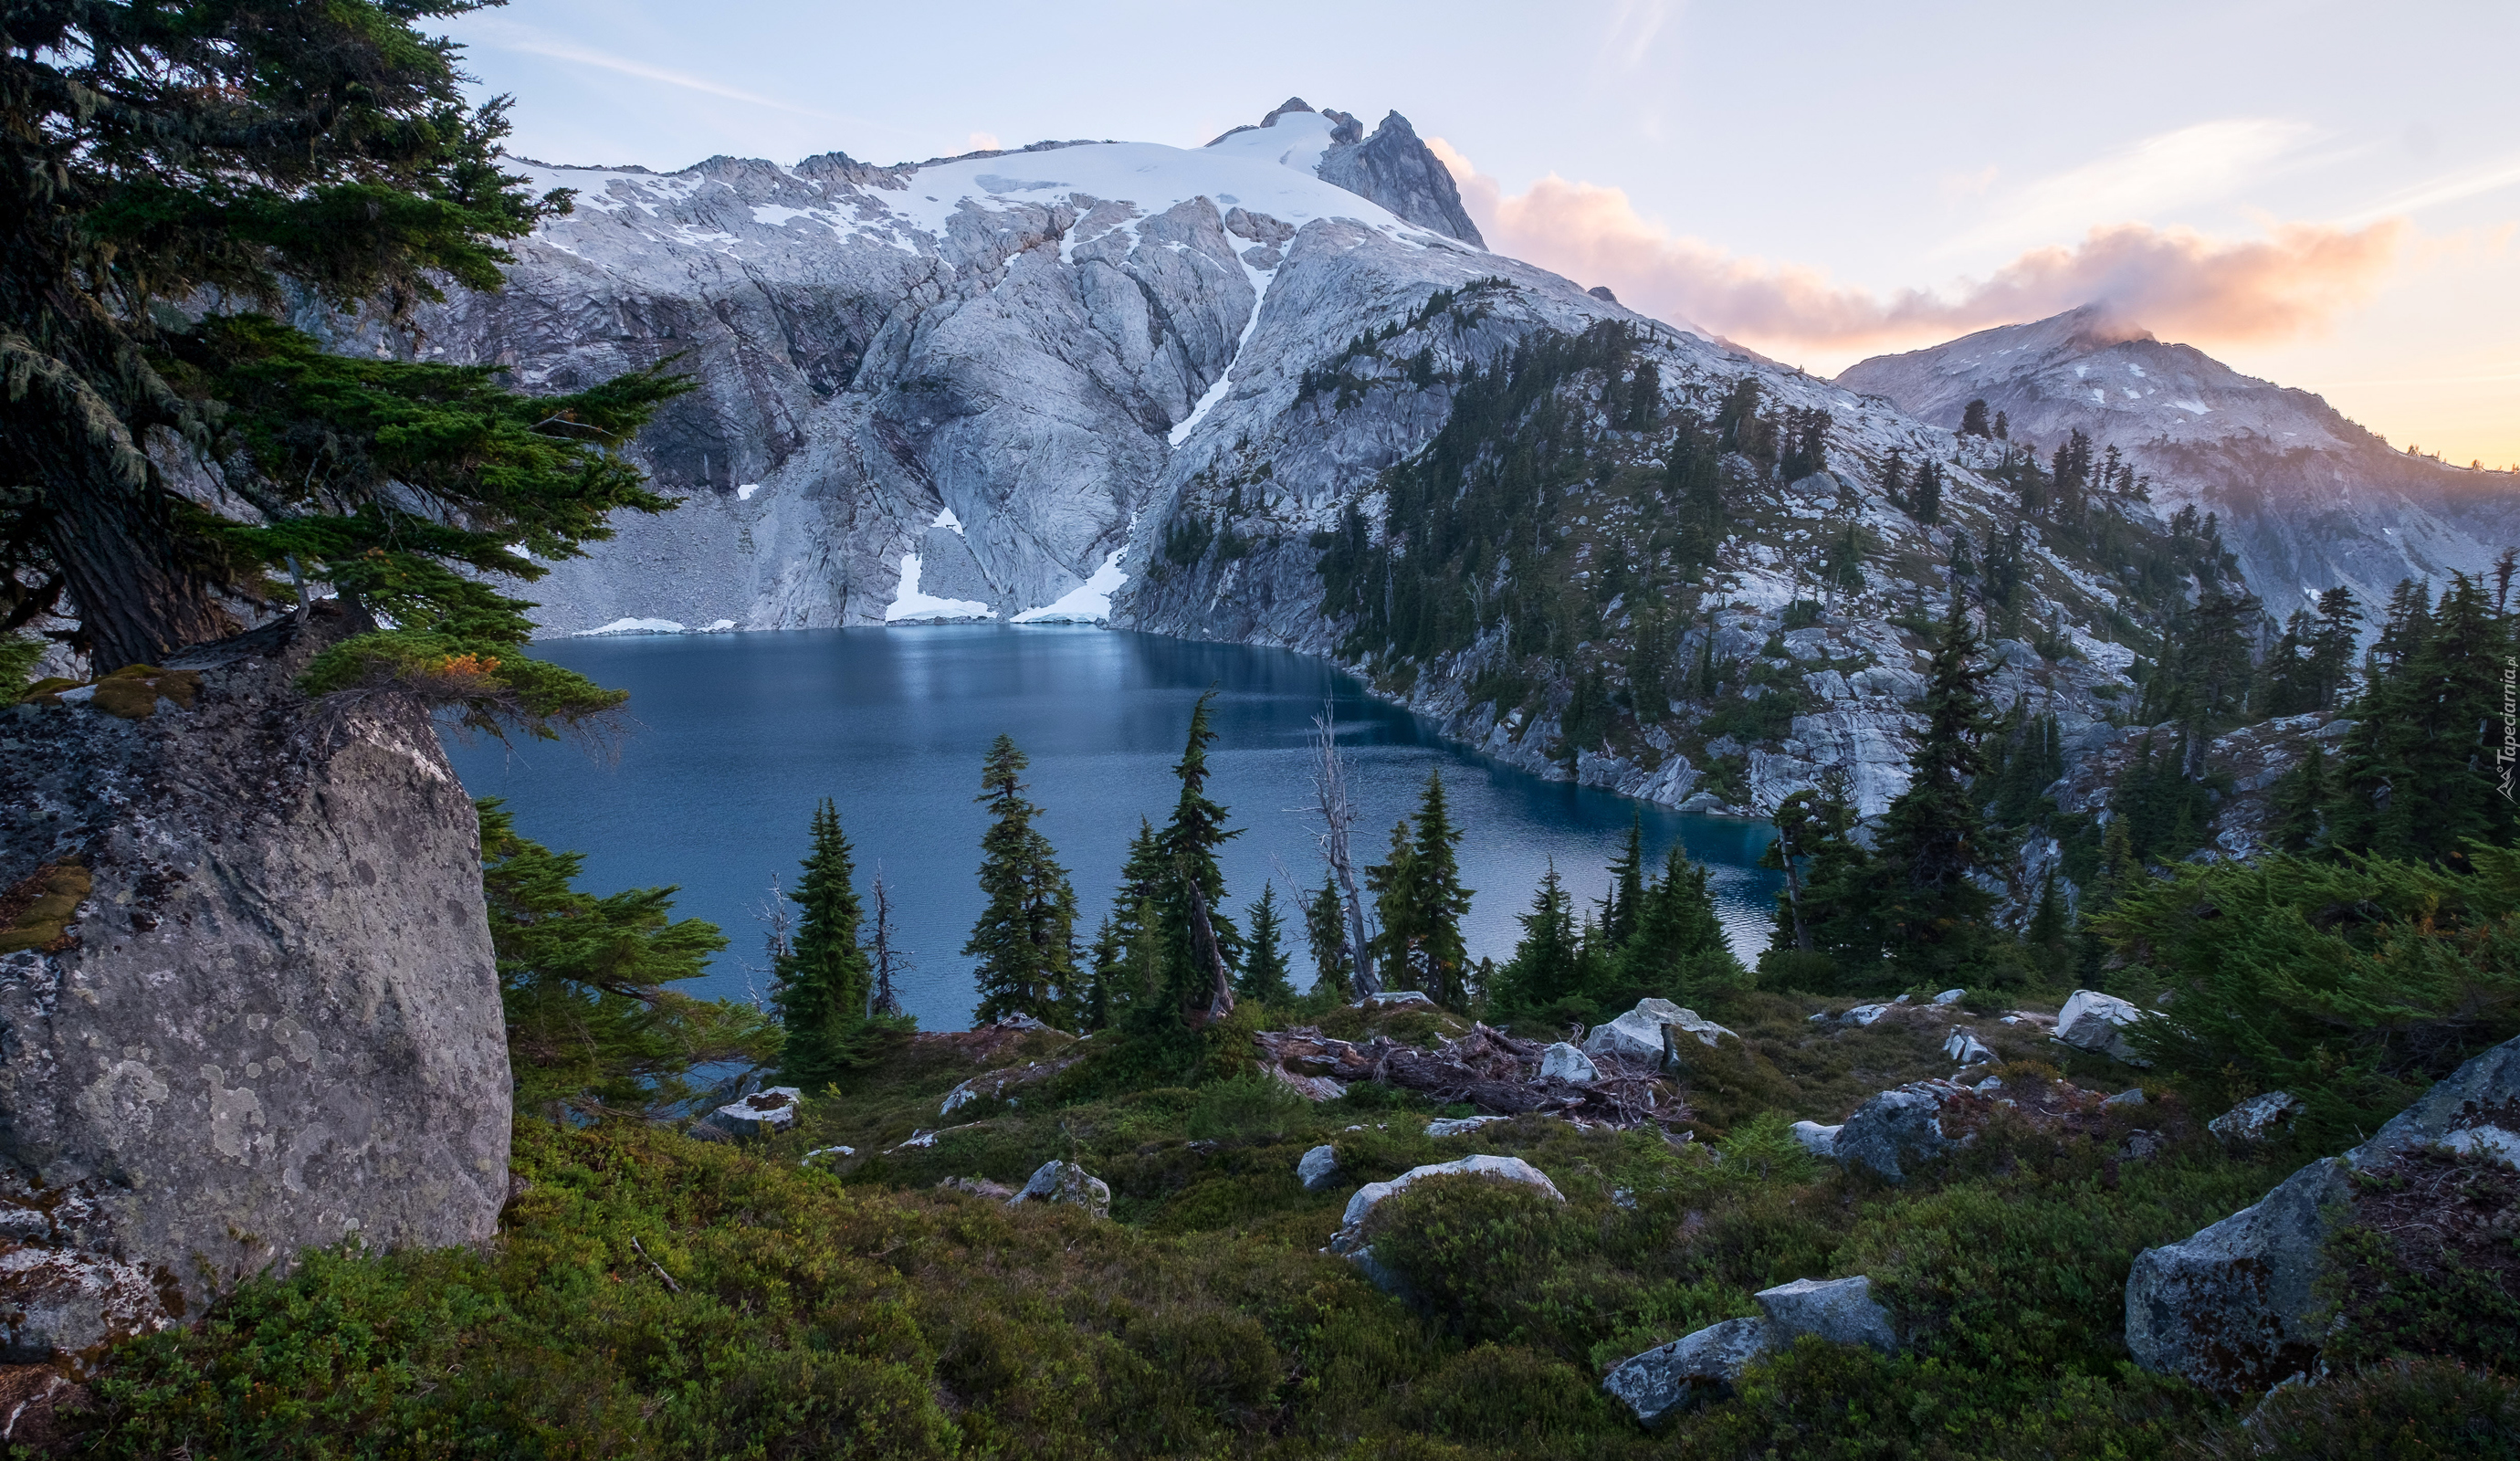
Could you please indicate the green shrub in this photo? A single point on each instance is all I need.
(1246, 1106)
(1492, 1396)
(2405, 1411)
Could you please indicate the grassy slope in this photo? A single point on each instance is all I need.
(866, 1311)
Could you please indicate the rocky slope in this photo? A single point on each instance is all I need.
(248, 1003)
(2308, 499)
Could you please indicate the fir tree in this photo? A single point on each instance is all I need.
(1325, 930)
(1973, 421)
(593, 1028)
(1677, 949)
(1625, 902)
(820, 989)
(1264, 962)
(1421, 900)
(172, 176)
(1024, 941)
(2301, 796)
(1191, 883)
(1925, 504)
(1934, 837)
(2048, 930)
(2420, 775)
(1547, 963)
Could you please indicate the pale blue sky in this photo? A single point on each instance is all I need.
(1877, 147)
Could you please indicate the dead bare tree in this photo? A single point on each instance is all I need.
(1339, 815)
(778, 920)
(883, 998)
(1220, 993)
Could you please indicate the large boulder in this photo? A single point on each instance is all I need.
(1840, 1310)
(1564, 1062)
(2097, 1023)
(1349, 1242)
(255, 1009)
(1897, 1130)
(1636, 1036)
(1317, 1169)
(2233, 1308)
(1689, 1370)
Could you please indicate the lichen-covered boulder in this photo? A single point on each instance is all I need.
(2233, 1308)
(2097, 1023)
(1349, 1242)
(2254, 1120)
(1840, 1310)
(1066, 1183)
(267, 1019)
(761, 1113)
(1897, 1130)
(1636, 1036)
(1689, 1371)
(1564, 1062)
(1317, 1169)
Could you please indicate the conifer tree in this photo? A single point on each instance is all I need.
(1191, 881)
(1677, 949)
(2301, 798)
(1025, 940)
(1973, 421)
(2420, 777)
(173, 178)
(1395, 943)
(1421, 900)
(820, 989)
(2046, 934)
(1933, 837)
(1264, 960)
(1625, 901)
(1325, 930)
(1547, 963)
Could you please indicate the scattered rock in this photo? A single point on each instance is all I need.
(1897, 1129)
(1388, 998)
(1458, 1125)
(1317, 1169)
(1965, 1047)
(1564, 1062)
(2253, 1120)
(819, 1153)
(1349, 1242)
(976, 1187)
(1637, 1035)
(1951, 996)
(2142, 1145)
(774, 1110)
(2232, 1307)
(2133, 1097)
(1819, 1140)
(2096, 1021)
(1057, 1181)
(1689, 1371)
(1840, 1310)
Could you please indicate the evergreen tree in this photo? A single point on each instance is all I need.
(1264, 963)
(1547, 963)
(1421, 900)
(1128, 949)
(1191, 881)
(1677, 950)
(1973, 421)
(2420, 775)
(1325, 930)
(2301, 796)
(171, 177)
(1933, 837)
(1625, 902)
(593, 1030)
(1024, 941)
(819, 991)
(1927, 503)
(1828, 932)
(2047, 934)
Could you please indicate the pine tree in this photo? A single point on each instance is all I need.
(1547, 964)
(1191, 883)
(1926, 504)
(593, 1028)
(1025, 940)
(1420, 898)
(1677, 951)
(1933, 838)
(2420, 774)
(2301, 796)
(1625, 902)
(174, 175)
(820, 989)
(1264, 962)
(1325, 930)
(1973, 421)
(2048, 931)
(1395, 943)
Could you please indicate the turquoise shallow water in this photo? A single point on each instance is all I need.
(737, 736)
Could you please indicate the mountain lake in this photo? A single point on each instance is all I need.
(733, 738)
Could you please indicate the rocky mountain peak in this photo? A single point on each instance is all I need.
(1392, 168)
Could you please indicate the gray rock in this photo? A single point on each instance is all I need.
(2097, 1023)
(1689, 1371)
(1951, 996)
(1349, 1241)
(273, 1022)
(1965, 1047)
(1317, 1169)
(1397, 170)
(1896, 1130)
(2134, 1097)
(2254, 1120)
(1564, 1062)
(1636, 1036)
(1840, 1310)
(2232, 1307)
(1388, 998)
(758, 1115)
(1817, 1139)
(1458, 1125)
(1065, 1182)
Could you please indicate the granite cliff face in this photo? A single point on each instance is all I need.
(248, 1004)
(2308, 499)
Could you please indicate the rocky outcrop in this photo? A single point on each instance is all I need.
(2234, 1307)
(1705, 1365)
(1068, 1184)
(1396, 170)
(2254, 1120)
(1638, 1036)
(270, 1020)
(1837, 1311)
(1564, 1062)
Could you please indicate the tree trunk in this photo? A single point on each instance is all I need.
(137, 603)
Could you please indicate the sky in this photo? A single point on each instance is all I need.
(2326, 195)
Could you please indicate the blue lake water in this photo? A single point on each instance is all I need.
(735, 737)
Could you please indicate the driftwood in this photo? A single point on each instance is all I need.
(1488, 1068)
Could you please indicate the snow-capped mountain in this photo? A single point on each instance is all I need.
(2308, 499)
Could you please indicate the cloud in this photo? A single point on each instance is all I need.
(508, 36)
(2209, 161)
(986, 142)
(2174, 281)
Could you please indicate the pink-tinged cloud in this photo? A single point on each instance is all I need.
(2174, 281)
